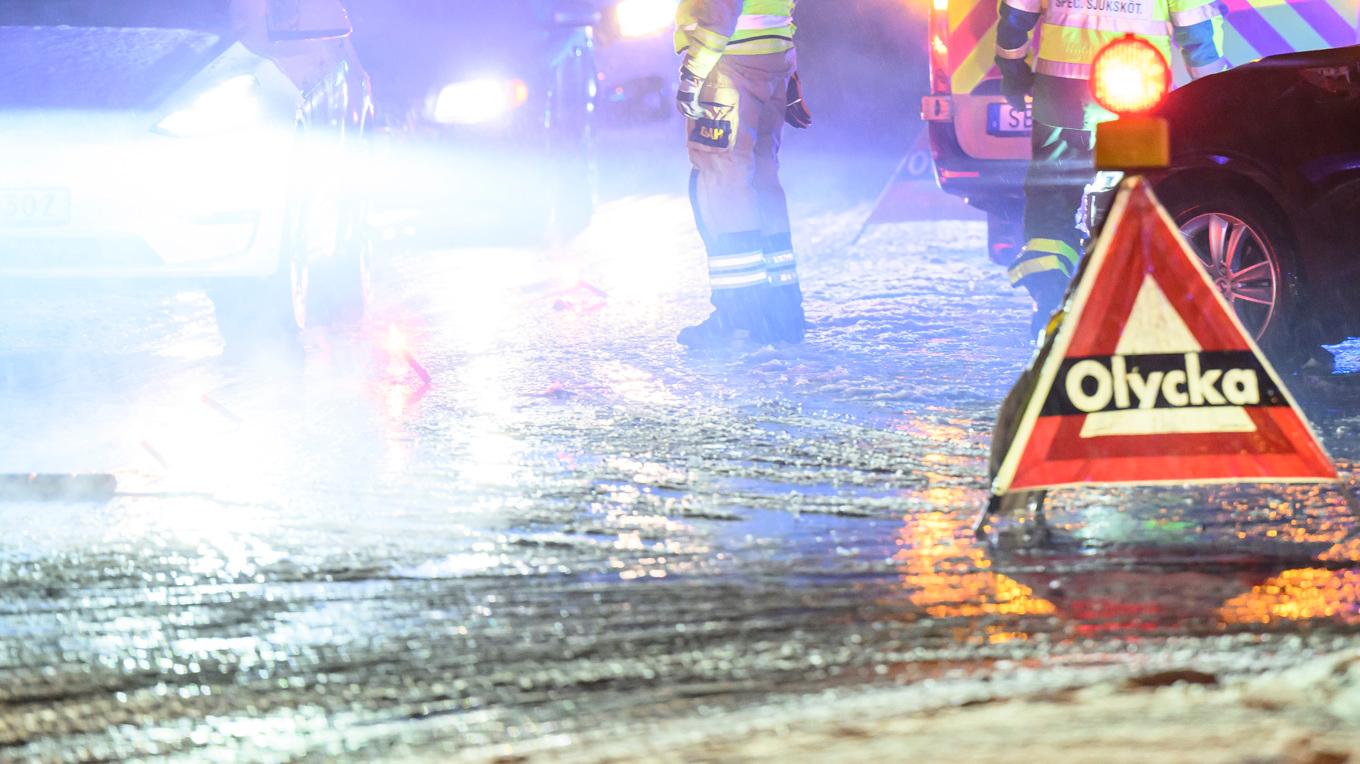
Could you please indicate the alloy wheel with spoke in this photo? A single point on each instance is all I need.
(1241, 263)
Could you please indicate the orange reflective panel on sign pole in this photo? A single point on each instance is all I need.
(1152, 379)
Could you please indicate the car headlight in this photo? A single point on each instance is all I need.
(477, 101)
(644, 18)
(230, 106)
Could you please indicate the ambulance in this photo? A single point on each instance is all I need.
(980, 145)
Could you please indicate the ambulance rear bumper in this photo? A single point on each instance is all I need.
(980, 182)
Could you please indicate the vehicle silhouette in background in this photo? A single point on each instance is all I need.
(490, 107)
(638, 62)
(981, 145)
(1264, 182)
(207, 142)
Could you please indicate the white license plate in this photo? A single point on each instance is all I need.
(1002, 120)
(34, 207)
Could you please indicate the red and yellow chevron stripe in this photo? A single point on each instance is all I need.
(972, 42)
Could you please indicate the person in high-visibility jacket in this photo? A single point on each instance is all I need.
(1065, 113)
(738, 87)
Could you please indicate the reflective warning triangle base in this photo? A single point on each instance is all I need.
(1150, 378)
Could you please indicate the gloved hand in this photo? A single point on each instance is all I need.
(796, 113)
(1017, 81)
(687, 95)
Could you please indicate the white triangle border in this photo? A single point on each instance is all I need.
(1001, 485)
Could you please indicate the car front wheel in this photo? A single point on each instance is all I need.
(328, 291)
(1250, 258)
(337, 287)
(263, 310)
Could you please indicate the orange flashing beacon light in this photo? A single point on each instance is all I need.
(1130, 77)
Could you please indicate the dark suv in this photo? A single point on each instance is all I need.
(1265, 183)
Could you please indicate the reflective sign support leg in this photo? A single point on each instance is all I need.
(1352, 500)
(882, 195)
(980, 524)
(1011, 504)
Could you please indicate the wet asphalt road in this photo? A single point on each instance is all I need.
(577, 530)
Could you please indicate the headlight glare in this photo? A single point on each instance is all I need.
(644, 18)
(231, 106)
(474, 102)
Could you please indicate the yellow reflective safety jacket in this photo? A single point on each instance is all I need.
(1072, 32)
(705, 30)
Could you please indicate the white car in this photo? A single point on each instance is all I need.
(210, 142)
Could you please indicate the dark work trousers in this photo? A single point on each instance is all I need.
(738, 200)
(1059, 171)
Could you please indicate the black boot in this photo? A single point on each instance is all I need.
(713, 332)
(1048, 290)
(784, 317)
(1038, 325)
(735, 319)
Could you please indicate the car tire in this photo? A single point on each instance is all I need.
(328, 292)
(338, 286)
(1251, 258)
(262, 311)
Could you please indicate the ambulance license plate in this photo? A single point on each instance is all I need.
(34, 207)
(1003, 121)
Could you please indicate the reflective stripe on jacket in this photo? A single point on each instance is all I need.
(707, 29)
(1073, 31)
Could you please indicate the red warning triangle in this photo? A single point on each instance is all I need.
(911, 194)
(1151, 378)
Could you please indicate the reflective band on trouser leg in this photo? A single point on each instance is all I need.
(1042, 255)
(1055, 247)
(780, 262)
(1013, 54)
(1041, 264)
(737, 280)
(737, 261)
